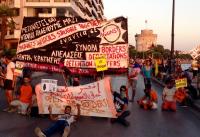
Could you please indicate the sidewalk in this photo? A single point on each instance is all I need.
(196, 103)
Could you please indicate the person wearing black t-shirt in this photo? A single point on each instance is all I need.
(121, 105)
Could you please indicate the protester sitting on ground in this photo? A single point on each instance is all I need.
(149, 100)
(168, 95)
(25, 97)
(183, 97)
(62, 123)
(121, 105)
(133, 77)
(9, 80)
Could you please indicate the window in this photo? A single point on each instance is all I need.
(61, 12)
(42, 10)
(16, 12)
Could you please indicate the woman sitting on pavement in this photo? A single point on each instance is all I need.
(149, 100)
(168, 96)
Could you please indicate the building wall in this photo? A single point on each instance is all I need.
(87, 9)
(145, 40)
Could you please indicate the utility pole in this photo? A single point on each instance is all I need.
(172, 59)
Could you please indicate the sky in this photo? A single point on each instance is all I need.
(158, 14)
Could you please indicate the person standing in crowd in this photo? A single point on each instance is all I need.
(194, 68)
(121, 105)
(147, 72)
(168, 96)
(149, 100)
(62, 124)
(133, 77)
(10, 80)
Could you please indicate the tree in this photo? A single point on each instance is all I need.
(7, 21)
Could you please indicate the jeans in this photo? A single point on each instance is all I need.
(121, 118)
(59, 125)
(147, 81)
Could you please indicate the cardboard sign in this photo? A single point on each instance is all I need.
(95, 99)
(101, 63)
(49, 85)
(181, 83)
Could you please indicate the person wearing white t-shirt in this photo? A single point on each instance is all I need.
(62, 123)
(9, 79)
(168, 96)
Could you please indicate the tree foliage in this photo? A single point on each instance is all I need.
(6, 14)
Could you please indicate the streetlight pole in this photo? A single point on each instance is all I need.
(172, 62)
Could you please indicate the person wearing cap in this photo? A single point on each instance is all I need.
(121, 105)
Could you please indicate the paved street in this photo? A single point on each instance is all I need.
(184, 123)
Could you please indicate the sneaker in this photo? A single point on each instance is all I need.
(66, 132)
(39, 133)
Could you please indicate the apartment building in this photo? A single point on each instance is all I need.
(86, 9)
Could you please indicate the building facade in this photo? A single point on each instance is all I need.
(145, 40)
(86, 9)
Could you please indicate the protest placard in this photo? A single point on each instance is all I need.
(95, 99)
(49, 85)
(101, 63)
(181, 83)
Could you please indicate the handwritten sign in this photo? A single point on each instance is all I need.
(101, 63)
(95, 99)
(181, 83)
(49, 85)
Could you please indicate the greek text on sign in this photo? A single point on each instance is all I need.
(181, 83)
(101, 63)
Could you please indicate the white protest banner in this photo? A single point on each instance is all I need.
(49, 85)
(95, 99)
